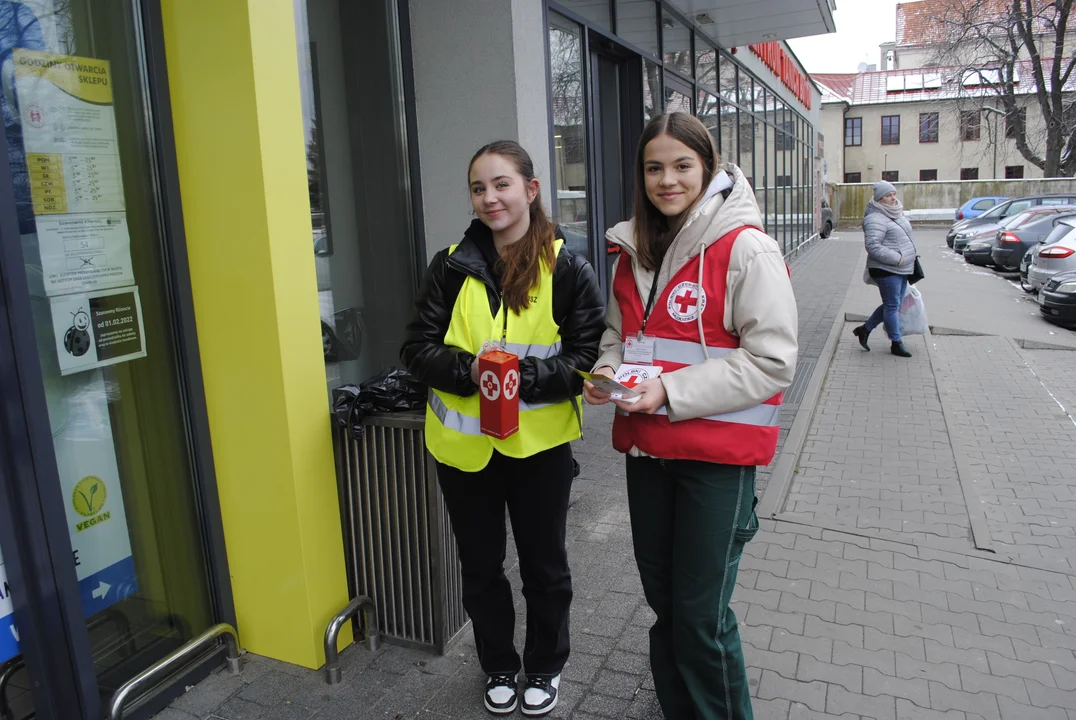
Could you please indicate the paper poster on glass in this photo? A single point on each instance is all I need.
(80, 252)
(96, 329)
(93, 503)
(69, 132)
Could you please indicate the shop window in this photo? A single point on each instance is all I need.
(728, 84)
(970, 121)
(707, 111)
(853, 132)
(637, 23)
(593, 11)
(100, 295)
(928, 127)
(569, 132)
(1010, 122)
(785, 140)
(891, 176)
(354, 123)
(676, 45)
(727, 141)
(891, 129)
(969, 173)
(676, 101)
(651, 91)
(853, 177)
(928, 175)
(1014, 172)
(705, 64)
(784, 181)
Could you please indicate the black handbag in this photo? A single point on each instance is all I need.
(917, 272)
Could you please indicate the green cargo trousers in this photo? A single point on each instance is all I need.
(690, 521)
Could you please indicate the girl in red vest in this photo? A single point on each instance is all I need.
(703, 293)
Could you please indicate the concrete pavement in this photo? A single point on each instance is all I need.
(868, 593)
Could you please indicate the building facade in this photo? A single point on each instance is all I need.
(196, 190)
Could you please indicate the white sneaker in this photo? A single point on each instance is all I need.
(501, 694)
(540, 695)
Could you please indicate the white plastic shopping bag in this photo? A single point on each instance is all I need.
(913, 314)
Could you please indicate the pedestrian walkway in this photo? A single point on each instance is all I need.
(866, 597)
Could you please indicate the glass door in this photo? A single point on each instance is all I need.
(120, 470)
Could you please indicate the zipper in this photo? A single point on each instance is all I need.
(504, 328)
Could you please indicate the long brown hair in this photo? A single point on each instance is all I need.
(521, 259)
(654, 232)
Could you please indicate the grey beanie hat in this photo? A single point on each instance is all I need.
(883, 188)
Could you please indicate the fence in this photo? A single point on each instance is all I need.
(848, 200)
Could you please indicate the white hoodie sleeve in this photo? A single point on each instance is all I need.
(761, 310)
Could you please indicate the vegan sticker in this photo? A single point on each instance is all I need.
(88, 499)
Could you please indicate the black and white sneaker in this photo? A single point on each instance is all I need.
(540, 695)
(501, 694)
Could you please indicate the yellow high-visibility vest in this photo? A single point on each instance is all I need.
(453, 434)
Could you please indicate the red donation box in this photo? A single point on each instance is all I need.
(498, 382)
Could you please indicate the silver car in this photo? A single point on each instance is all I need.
(1056, 254)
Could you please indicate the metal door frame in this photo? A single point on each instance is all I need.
(34, 536)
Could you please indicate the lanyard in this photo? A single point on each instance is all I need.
(649, 305)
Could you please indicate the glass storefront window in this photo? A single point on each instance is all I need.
(728, 86)
(746, 93)
(707, 111)
(594, 11)
(651, 91)
(637, 23)
(569, 131)
(676, 45)
(676, 101)
(355, 120)
(89, 217)
(729, 150)
(705, 64)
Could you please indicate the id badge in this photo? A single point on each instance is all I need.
(639, 350)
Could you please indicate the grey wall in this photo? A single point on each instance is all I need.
(480, 75)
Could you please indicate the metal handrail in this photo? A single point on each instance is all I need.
(172, 662)
(333, 674)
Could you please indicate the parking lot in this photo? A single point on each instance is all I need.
(967, 299)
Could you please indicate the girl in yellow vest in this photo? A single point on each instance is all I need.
(510, 281)
(703, 293)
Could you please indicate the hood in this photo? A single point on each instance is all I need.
(713, 216)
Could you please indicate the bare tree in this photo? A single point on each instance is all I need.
(998, 48)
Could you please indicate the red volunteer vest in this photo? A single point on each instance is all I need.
(744, 437)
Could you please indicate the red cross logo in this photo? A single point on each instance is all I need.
(511, 384)
(491, 386)
(687, 301)
(632, 381)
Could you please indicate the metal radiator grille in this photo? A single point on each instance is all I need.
(398, 541)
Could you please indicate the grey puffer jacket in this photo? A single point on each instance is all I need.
(889, 242)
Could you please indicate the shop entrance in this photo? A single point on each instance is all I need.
(106, 496)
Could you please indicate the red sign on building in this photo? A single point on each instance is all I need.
(784, 67)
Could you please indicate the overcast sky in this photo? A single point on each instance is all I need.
(862, 25)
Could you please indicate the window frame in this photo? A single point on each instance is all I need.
(856, 126)
(893, 135)
(858, 177)
(968, 128)
(928, 179)
(1013, 176)
(891, 176)
(965, 172)
(933, 124)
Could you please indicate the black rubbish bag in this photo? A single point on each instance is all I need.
(393, 390)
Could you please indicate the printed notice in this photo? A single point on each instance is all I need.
(69, 132)
(84, 252)
(97, 329)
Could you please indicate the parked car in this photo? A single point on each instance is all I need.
(1013, 244)
(980, 250)
(1057, 300)
(1002, 210)
(975, 234)
(977, 206)
(1025, 264)
(1052, 258)
(827, 220)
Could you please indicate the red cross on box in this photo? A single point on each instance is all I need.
(686, 301)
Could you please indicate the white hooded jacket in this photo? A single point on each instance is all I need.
(760, 308)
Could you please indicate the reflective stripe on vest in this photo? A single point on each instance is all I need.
(453, 425)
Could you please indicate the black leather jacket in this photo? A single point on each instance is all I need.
(578, 309)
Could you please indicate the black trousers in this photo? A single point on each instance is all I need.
(535, 491)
